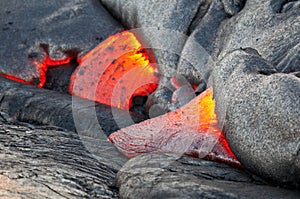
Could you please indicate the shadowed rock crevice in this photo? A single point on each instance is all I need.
(287, 5)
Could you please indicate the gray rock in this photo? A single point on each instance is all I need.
(61, 26)
(163, 24)
(47, 162)
(93, 122)
(166, 176)
(259, 111)
(166, 27)
(266, 27)
(196, 54)
(258, 91)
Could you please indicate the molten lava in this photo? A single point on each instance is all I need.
(43, 68)
(16, 79)
(190, 130)
(119, 69)
(48, 62)
(114, 72)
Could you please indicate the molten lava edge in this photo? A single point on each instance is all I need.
(42, 68)
(114, 72)
(191, 130)
(119, 69)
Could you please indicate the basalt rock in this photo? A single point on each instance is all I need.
(93, 122)
(48, 162)
(61, 28)
(181, 35)
(259, 110)
(45, 107)
(257, 88)
(164, 25)
(196, 57)
(167, 176)
(266, 27)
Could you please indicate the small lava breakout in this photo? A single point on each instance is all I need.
(119, 69)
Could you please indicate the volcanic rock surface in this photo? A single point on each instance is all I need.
(257, 90)
(63, 27)
(45, 162)
(247, 50)
(181, 34)
(260, 111)
(196, 56)
(166, 176)
(161, 23)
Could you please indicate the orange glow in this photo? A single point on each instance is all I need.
(16, 79)
(48, 62)
(187, 130)
(43, 68)
(114, 72)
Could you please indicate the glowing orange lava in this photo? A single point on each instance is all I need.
(43, 68)
(16, 79)
(190, 130)
(48, 62)
(114, 72)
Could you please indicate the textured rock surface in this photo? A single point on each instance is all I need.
(163, 176)
(63, 26)
(260, 111)
(196, 57)
(44, 162)
(264, 26)
(44, 107)
(258, 90)
(164, 25)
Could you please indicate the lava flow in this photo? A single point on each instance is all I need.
(42, 68)
(191, 130)
(114, 72)
(119, 69)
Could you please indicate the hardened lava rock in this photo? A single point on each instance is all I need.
(48, 162)
(164, 25)
(266, 26)
(257, 88)
(181, 33)
(259, 110)
(63, 27)
(168, 176)
(195, 62)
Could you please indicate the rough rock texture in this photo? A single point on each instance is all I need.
(166, 176)
(164, 25)
(61, 26)
(45, 107)
(258, 89)
(266, 27)
(92, 122)
(259, 109)
(44, 162)
(58, 77)
(196, 57)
